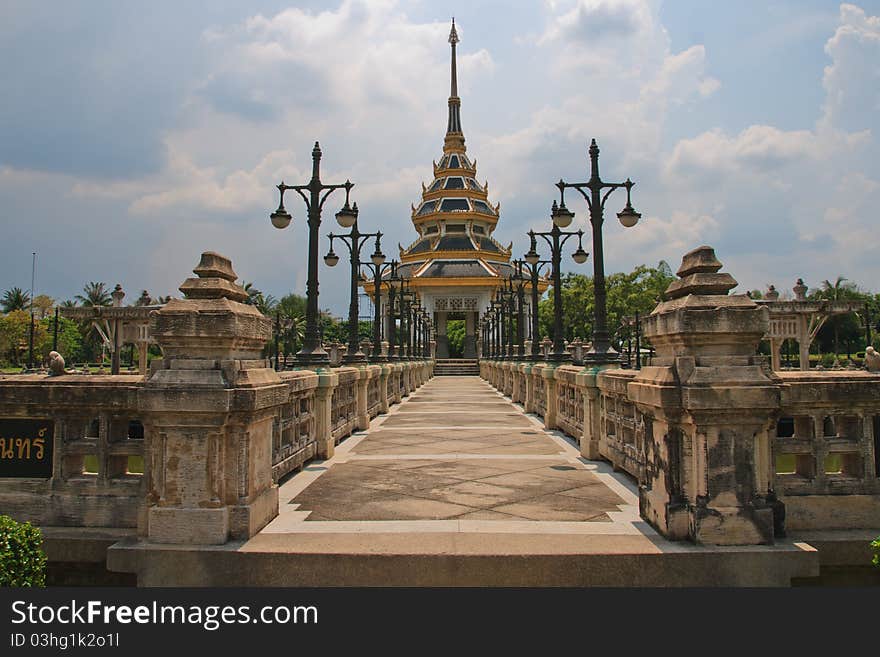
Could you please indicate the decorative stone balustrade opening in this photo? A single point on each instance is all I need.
(725, 451)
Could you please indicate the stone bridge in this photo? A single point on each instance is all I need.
(704, 468)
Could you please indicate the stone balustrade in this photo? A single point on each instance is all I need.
(193, 451)
(724, 450)
(96, 448)
(99, 440)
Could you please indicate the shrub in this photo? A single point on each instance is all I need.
(22, 561)
(876, 545)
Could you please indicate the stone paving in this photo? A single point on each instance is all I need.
(456, 486)
(456, 456)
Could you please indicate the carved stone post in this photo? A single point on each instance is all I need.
(549, 374)
(709, 402)
(210, 412)
(363, 415)
(327, 382)
(384, 377)
(529, 401)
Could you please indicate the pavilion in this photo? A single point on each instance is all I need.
(455, 265)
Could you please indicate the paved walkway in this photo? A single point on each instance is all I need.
(456, 456)
(457, 486)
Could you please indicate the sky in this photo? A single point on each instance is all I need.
(135, 135)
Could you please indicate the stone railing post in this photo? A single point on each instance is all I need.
(363, 415)
(710, 402)
(529, 401)
(384, 376)
(327, 382)
(589, 441)
(549, 374)
(210, 411)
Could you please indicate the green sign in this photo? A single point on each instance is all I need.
(26, 448)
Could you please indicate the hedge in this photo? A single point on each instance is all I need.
(22, 561)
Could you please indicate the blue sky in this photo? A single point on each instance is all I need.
(134, 136)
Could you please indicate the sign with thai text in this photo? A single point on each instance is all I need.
(26, 448)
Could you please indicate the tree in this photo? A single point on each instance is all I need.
(639, 290)
(455, 334)
(43, 305)
(848, 326)
(95, 294)
(14, 336)
(70, 340)
(15, 299)
(291, 311)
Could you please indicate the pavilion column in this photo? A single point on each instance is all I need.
(442, 340)
(804, 341)
(143, 350)
(775, 347)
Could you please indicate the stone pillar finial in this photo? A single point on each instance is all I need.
(212, 401)
(800, 290)
(117, 295)
(772, 293)
(711, 396)
(211, 321)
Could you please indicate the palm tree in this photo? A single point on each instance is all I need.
(253, 293)
(15, 299)
(95, 294)
(266, 304)
(839, 290)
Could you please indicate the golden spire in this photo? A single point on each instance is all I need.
(454, 134)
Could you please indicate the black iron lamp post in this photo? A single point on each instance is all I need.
(416, 319)
(501, 314)
(487, 329)
(534, 264)
(379, 267)
(354, 240)
(601, 350)
(556, 239)
(315, 193)
(634, 334)
(510, 299)
(394, 283)
(404, 298)
(520, 279)
(498, 324)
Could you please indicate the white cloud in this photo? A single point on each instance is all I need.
(852, 81)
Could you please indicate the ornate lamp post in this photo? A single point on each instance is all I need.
(556, 239)
(509, 296)
(394, 284)
(520, 279)
(407, 298)
(378, 270)
(314, 193)
(416, 315)
(498, 328)
(601, 350)
(534, 264)
(355, 240)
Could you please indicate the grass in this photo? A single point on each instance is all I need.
(785, 464)
(135, 464)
